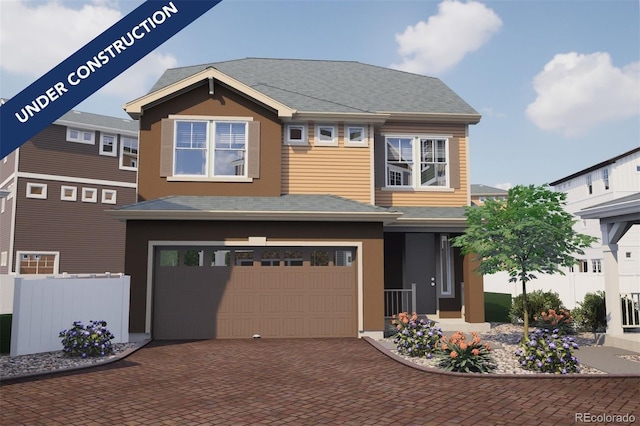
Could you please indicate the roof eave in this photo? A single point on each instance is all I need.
(105, 129)
(369, 117)
(136, 107)
(622, 209)
(433, 117)
(450, 222)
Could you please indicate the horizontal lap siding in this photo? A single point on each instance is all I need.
(338, 170)
(438, 198)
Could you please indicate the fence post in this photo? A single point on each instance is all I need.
(413, 298)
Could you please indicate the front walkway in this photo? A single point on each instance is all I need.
(300, 381)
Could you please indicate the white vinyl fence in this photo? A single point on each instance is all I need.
(43, 307)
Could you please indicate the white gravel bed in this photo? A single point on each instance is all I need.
(52, 361)
(503, 340)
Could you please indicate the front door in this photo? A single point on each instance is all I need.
(420, 268)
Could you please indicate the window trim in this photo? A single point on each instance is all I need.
(334, 135)
(56, 260)
(114, 149)
(105, 192)
(80, 139)
(32, 185)
(91, 199)
(73, 197)
(303, 141)
(365, 135)
(415, 149)
(121, 153)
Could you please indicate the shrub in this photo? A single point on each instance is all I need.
(466, 357)
(560, 319)
(87, 341)
(591, 312)
(537, 301)
(415, 337)
(548, 353)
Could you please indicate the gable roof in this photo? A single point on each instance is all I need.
(594, 167)
(90, 121)
(321, 87)
(479, 189)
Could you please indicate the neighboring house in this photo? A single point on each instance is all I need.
(613, 179)
(58, 186)
(285, 197)
(481, 193)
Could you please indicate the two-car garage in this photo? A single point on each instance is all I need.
(226, 291)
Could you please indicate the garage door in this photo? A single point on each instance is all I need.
(237, 292)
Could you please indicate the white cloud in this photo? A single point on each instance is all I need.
(443, 41)
(577, 92)
(57, 30)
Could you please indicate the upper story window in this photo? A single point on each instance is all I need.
(589, 184)
(81, 136)
(605, 178)
(128, 153)
(108, 144)
(296, 134)
(326, 135)
(210, 148)
(355, 135)
(37, 190)
(416, 162)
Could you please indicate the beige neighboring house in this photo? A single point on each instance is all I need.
(480, 193)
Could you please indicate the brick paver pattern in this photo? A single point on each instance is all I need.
(299, 382)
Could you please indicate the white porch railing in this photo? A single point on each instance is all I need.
(399, 300)
(630, 310)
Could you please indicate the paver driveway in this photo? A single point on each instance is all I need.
(315, 381)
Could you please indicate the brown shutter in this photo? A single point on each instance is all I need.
(166, 148)
(253, 149)
(454, 162)
(380, 154)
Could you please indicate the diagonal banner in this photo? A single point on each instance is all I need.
(93, 66)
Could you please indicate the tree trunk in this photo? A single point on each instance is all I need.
(525, 313)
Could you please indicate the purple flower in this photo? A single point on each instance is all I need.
(552, 345)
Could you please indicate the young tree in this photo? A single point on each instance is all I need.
(529, 232)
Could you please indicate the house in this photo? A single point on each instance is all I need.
(58, 186)
(287, 198)
(480, 193)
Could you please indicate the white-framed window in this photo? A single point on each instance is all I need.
(68, 193)
(326, 135)
(583, 265)
(81, 136)
(2, 204)
(3, 258)
(589, 184)
(355, 135)
(34, 262)
(128, 153)
(37, 190)
(210, 148)
(596, 266)
(108, 144)
(605, 178)
(446, 267)
(89, 195)
(109, 196)
(418, 161)
(295, 134)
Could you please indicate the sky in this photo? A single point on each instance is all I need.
(557, 82)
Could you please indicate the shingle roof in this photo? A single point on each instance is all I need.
(99, 121)
(479, 189)
(334, 86)
(411, 212)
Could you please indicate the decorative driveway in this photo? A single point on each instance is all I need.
(300, 381)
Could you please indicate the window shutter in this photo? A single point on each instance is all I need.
(379, 161)
(454, 163)
(166, 148)
(253, 149)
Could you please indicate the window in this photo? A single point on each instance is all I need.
(355, 135)
(169, 257)
(109, 196)
(89, 195)
(220, 258)
(194, 258)
(326, 135)
(37, 190)
(210, 149)
(2, 204)
(446, 267)
(68, 193)
(584, 265)
(343, 258)
(3, 258)
(403, 154)
(596, 266)
(270, 258)
(81, 136)
(296, 134)
(320, 258)
(244, 257)
(37, 263)
(605, 178)
(128, 153)
(589, 184)
(108, 144)
(293, 258)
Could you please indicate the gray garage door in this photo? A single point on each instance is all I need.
(225, 292)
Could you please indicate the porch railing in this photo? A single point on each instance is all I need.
(399, 300)
(630, 310)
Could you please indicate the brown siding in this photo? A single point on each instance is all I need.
(473, 291)
(225, 102)
(49, 153)
(9, 167)
(337, 170)
(5, 231)
(87, 238)
(460, 178)
(139, 233)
